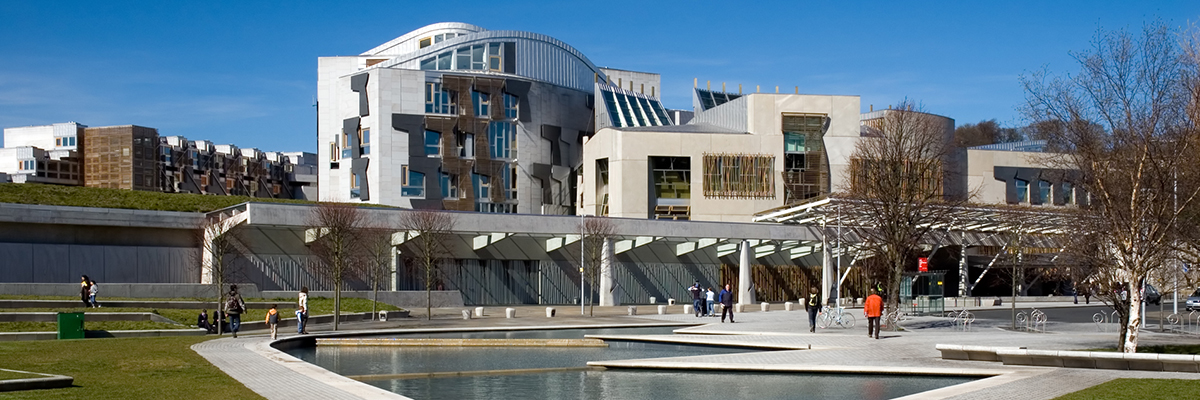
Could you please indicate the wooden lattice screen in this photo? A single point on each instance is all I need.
(739, 176)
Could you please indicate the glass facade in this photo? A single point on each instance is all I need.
(479, 57)
(629, 110)
(438, 101)
(710, 99)
(502, 139)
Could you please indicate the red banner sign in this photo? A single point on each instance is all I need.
(923, 264)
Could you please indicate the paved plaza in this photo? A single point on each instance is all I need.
(276, 375)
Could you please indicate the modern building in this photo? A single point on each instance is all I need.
(137, 158)
(1022, 173)
(737, 155)
(453, 116)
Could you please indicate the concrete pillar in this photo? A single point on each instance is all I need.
(745, 275)
(963, 278)
(607, 295)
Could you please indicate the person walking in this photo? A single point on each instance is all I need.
(813, 306)
(85, 290)
(873, 310)
(727, 304)
(696, 302)
(273, 320)
(711, 298)
(234, 308)
(92, 295)
(302, 311)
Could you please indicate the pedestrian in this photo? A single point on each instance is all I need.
(91, 296)
(813, 306)
(273, 320)
(873, 309)
(726, 304)
(711, 297)
(85, 290)
(302, 311)
(696, 302)
(234, 308)
(202, 322)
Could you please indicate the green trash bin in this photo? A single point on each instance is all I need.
(70, 325)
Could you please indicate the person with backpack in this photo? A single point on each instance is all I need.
(234, 307)
(697, 306)
(273, 320)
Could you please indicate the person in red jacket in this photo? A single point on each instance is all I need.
(873, 309)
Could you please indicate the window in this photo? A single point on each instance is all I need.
(494, 59)
(58, 142)
(510, 106)
(739, 176)
(804, 175)
(449, 185)
(70, 141)
(443, 61)
(1022, 191)
(672, 178)
(433, 143)
(466, 145)
(482, 187)
(355, 191)
(28, 165)
(481, 101)
(333, 154)
(510, 182)
(793, 142)
(412, 183)
(602, 186)
(501, 138)
(470, 58)
(426, 42)
(1068, 192)
(364, 140)
(346, 150)
(438, 101)
(1044, 192)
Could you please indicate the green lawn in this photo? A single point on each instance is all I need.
(79, 196)
(1127, 388)
(134, 368)
(91, 326)
(5, 375)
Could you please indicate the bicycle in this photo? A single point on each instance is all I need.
(839, 316)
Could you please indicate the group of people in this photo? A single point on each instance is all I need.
(704, 302)
(87, 292)
(234, 307)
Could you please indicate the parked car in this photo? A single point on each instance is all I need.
(1152, 295)
(1193, 301)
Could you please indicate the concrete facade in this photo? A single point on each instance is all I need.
(1021, 175)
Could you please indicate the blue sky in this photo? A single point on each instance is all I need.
(245, 72)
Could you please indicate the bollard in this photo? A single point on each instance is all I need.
(478, 312)
(858, 302)
(382, 316)
(787, 306)
(803, 304)
(670, 302)
(765, 306)
(653, 300)
(739, 308)
(549, 312)
(510, 313)
(687, 309)
(466, 314)
(632, 310)
(662, 310)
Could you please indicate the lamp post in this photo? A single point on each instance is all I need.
(581, 263)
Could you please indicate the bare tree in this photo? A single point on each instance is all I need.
(219, 237)
(428, 236)
(376, 266)
(985, 132)
(896, 189)
(335, 230)
(596, 231)
(1127, 123)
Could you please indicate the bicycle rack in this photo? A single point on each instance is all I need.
(893, 318)
(961, 319)
(1173, 320)
(1035, 317)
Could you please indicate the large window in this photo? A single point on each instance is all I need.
(510, 106)
(735, 176)
(602, 186)
(412, 183)
(510, 181)
(364, 140)
(466, 145)
(481, 102)
(480, 57)
(347, 151)
(1044, 192)
(355, 191)
(482, 187)
(503, 139)
(433, 143)
(1068, 192)
(438, 101)
(672, 177)
(471, 58)
(804, 175)
(1022, 191)
(449, 184)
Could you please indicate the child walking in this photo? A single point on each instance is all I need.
(273, 320)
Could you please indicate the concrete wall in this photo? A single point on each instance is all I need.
(408, 299)
(981, 164)
(131, 290)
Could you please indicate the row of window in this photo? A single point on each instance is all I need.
(28, 164)
(66, 141)
(502, 139)
(480, 57)
(440, 101)
(438, 38)
(412, 183)
(1044, 191)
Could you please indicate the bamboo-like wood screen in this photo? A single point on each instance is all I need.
(739, 176)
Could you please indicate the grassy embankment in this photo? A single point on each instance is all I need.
(1126, 388)
(134, 368)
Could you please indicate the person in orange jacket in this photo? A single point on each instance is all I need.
(273, 320)
(873, 309)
